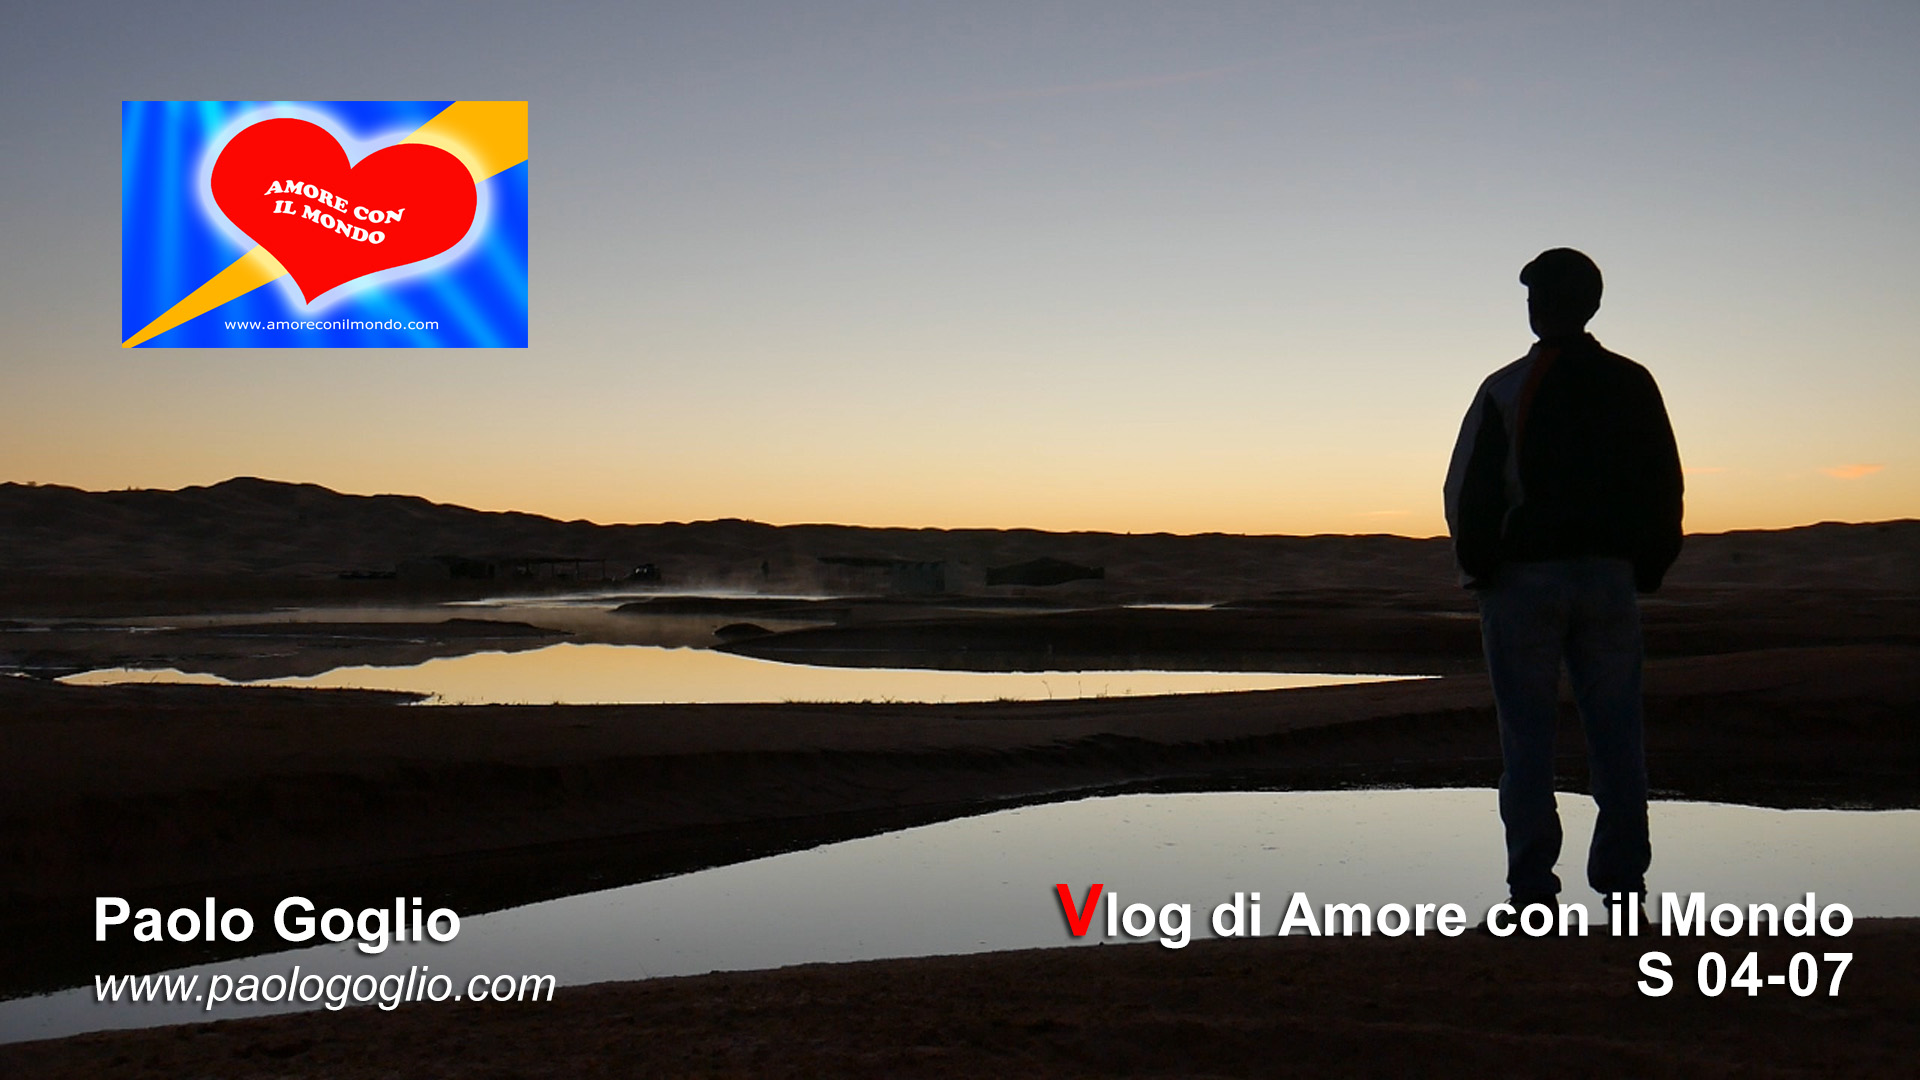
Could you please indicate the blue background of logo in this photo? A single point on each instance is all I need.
(169, 247)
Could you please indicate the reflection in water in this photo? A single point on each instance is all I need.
(569, 674)
(986, 883)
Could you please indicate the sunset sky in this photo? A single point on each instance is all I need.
(1127, 266)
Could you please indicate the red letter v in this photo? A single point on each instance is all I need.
(1078, 921)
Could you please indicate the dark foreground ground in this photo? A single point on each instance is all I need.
(1786, 673)
(1471, 1006)
(169, 794)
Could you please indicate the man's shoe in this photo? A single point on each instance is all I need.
(1636, 899)
(1520, 905)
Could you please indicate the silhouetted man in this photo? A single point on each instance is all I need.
(1563, 498)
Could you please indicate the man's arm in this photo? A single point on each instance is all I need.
(1476, 499)
(1658, 533)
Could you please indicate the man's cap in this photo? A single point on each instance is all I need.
(1563, 275)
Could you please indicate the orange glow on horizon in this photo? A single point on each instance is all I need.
(1180, 516)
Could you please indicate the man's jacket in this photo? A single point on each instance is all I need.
(1565, 453)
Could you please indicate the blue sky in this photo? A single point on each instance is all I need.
(1123, 266)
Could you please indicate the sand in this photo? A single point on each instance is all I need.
(1785, 672)
(172, 793)
(1470, 1006)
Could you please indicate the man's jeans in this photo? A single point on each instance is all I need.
(1582, 611)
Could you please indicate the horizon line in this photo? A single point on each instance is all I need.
(34, 484)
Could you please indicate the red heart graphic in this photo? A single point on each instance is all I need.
(286, 183)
